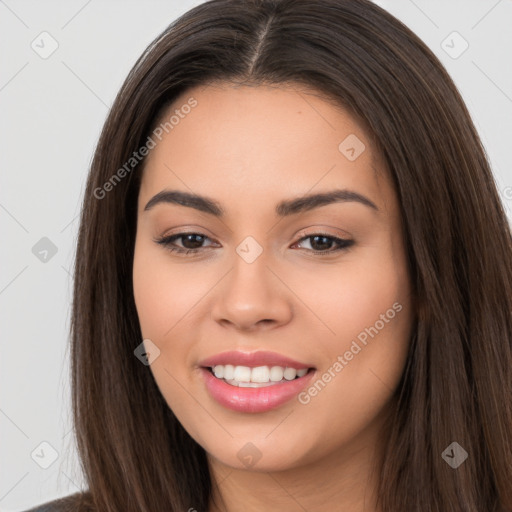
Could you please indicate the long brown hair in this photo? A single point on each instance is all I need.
(457, 384)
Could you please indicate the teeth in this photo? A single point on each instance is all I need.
(229, 371)
(290, 373)
(244, 376)
(260, 374)
(276, 373)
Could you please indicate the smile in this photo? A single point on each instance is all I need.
(254, 382)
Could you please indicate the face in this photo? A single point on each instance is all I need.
(271, 275)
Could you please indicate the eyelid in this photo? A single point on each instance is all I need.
(186, 230)
(310, 231)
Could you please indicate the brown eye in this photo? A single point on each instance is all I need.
(322, 243)
(191, 242)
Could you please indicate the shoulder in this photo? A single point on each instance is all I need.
(78, 502)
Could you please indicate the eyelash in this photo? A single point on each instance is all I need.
(166, 241)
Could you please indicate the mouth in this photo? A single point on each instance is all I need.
(254, 381)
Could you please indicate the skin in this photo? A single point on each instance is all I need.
(249, 148)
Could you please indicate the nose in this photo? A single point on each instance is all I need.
(252, 296)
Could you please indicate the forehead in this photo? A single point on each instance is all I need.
(251, 145)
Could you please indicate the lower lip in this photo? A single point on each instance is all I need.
(254, 399)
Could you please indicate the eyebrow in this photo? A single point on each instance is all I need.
(283, 209)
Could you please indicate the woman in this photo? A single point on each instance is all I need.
(293, 277)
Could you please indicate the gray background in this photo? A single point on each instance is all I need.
(52, 110)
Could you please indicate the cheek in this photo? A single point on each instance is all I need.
(163, 293)
(353, 296)
(367, 300)
(371, 315)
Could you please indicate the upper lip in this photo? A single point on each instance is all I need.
(253, 359)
